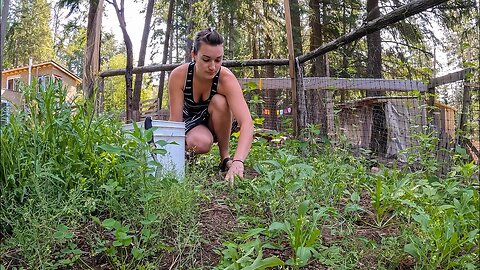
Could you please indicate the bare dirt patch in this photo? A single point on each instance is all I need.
(216, 221)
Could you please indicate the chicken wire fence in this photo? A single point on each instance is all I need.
(386, 116)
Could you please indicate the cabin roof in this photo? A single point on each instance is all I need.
(46, 64)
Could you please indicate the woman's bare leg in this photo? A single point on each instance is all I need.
(199, 139)
(220, 123)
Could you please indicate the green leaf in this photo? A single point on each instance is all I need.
(151, 218)
(355, 197)
(277, 226)
(110, 224)
(304, 254)
(246, 258)
(303, 208)
(460, 150)
(162, 143)
(111, 148)
(445, 207)
(62, 233)
(253, 232)
(423, 219)
(274, 163)
(76, 251)
(146, 233)
(159, 151)
(412, 250)
(472, 235)
(148, 134)
(117, 243)
(62, 228)
(265, 263)
(147, 197)
(127, 241)
(138, 253)
(313, 237)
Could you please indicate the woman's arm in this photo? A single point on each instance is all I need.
(236, 101)
(176, 82)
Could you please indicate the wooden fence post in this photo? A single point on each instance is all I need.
(291, 64)
(301, 98)
(99, 104)
(467, 97)
(431, 104)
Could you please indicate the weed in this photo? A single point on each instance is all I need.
(248, 254)
(303, 233)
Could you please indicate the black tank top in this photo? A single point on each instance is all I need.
(195, 113)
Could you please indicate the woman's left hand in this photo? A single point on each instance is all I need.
(236, 168)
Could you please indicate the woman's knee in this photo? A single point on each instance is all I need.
(219, 104)
(200, 143)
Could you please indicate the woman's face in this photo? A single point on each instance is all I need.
(208, 60)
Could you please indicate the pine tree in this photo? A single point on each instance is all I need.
(29, 34)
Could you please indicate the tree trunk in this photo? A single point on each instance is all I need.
(316, 97)
(374, 43)
(189, 41)
(231, 40)
(137, 90)
(345, 49)
(3, 25)
(92, 50)
(177, 39)
(296, 27)
(256, 71)
(165, 52)
(129, 67)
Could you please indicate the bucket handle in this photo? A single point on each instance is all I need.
(148, 125)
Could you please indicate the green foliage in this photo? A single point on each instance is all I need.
(448, 234)
(283, 180)
(29, 34)
(422, 156)
(114, 87)
(62, 164)
(302, 232)
(248, 254)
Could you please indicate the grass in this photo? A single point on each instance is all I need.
(76, 193)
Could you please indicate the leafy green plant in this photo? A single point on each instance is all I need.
(127, 243)
(422, 156)
(302, 232)
(70, 254)
(281, 183)
(248, 254)
(381, 203)
(449, 236)
(254, 99)
(353, 204)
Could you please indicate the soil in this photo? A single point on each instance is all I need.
(217, 221)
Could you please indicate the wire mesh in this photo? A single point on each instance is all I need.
(389, 117)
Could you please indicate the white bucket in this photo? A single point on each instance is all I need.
(171, 132)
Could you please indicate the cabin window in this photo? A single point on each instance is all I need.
(43, 81)
(57, 79)
(13, 84)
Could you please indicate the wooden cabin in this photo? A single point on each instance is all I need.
(42, 73)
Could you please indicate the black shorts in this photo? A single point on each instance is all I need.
(194, 121)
